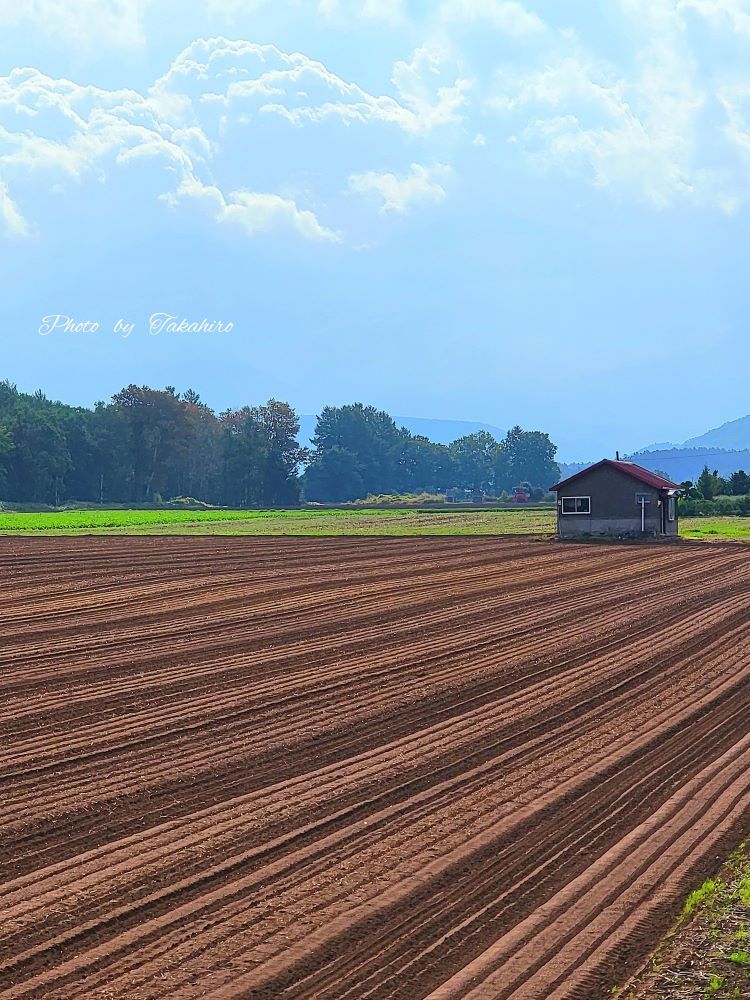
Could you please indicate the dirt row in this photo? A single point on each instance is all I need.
(358, 768)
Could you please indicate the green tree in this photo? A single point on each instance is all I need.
(424, 466)
(244, 460)
(198, 469)
(283, 454)
(365, 448)
(690, 491)
(707, 483)
(335, 476)
(161, 438)
(739, 483)
(6, 450)
(147, 443)
(525, 456)
(474, 461)
(40, 458)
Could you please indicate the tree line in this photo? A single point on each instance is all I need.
(715, 494)
(711, 485)
(151, 445)
(359, 451)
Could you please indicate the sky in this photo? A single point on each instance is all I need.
(486, 210)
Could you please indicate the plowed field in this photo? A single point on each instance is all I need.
(447, 768)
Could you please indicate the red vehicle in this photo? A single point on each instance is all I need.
(521, 493)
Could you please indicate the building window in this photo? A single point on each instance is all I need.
(672, 509)
(641, 498)
(576, 505)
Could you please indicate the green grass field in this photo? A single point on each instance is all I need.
(324, 522)
(716, 528)
(281, 522)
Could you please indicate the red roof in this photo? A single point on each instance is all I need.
(630, 469)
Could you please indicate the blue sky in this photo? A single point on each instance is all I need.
(470, 209)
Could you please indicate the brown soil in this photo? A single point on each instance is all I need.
(406, 768)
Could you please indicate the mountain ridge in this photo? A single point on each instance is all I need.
(734, 434)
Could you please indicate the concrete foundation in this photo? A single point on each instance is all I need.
(607, 527)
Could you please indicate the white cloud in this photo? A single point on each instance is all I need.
(735, 101)
(260, 212)
(216, 92)
(73, 129)
(230, 9)
(336, 12)
(642, 132)
(12, 221)
(55, 128)
(508, 16)
(80, 22)
(427, 96)
(400, 193)
(265, 80)
(391, 11)
(734, 14)
(565, 83)
(255, 212)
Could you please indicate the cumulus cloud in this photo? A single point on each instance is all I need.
(265, 138)
(253, 211)
(399, 194)
(641, 132)
(82, 23)
(13, 223)
(48, 124)
(721, 13)
(735, 101)
(508, 16)
(431, 94)
(263, 80)
(391, 11)
(335, 12)
(76, 131)
(178, 130)
(230, 9)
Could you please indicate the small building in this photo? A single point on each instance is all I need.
(617, 499)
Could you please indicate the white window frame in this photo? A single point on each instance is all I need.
(568, 513)
(647, 496)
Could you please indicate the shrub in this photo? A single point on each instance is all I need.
(721, 506)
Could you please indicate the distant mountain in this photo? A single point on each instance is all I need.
(680, 464)
(735, 435)
(726, 449)
(570, 468)
(661, 446)
(440, 431)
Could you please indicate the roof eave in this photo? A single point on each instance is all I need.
(667, 483)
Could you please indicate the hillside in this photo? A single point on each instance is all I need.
(687, 463)
(679, 464)
(725, 448)
(735, 435)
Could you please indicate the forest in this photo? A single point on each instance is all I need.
(155, 445)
